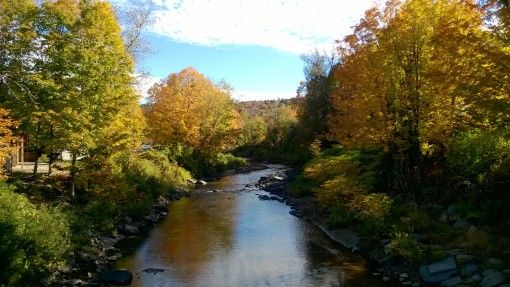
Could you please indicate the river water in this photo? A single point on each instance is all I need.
(231, 238)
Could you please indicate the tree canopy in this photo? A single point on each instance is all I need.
(189, 109)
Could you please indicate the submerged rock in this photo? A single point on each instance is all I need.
(153, 270)
(117, 277)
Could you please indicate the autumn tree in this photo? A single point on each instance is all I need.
(189, 109)
(7, 139)
(410, 77)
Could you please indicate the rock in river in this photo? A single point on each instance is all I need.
(153, 270)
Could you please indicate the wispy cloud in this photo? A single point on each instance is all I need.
(295, 26)
(143, 84)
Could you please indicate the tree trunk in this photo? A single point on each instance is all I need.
(38, 154)
(50, 162)
(34, 172)
(73, 175)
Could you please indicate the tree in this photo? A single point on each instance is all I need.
(315, 105)
(134, 22)
(189, 109)
(7, 139)
(410, 77)
(78, 81)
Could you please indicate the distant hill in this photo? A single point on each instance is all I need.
(260, 108)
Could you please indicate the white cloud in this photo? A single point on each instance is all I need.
(259, 96)
(143, 84)
(295, 26)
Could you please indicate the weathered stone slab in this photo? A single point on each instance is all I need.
(343, 236)
(436, 278)
(443, 265)
(451, 282)
(492, 279)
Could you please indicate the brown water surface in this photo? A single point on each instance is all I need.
(231, 238)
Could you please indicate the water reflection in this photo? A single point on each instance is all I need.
(194, 233)
(231, 238)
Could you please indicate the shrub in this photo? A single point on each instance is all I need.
(153, 173)
(33, 240)
(481, 162)
(403, 247)
(343, 184)
(481, 156)
(339, 216)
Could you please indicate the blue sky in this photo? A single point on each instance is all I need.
(255, 45)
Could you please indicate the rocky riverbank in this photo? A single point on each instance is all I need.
(457, 268)
(91, 267)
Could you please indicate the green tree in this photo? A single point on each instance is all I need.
(315, 105)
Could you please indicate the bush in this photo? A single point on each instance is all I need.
(154, 174)
(482, 157)
(343, 183)
(480, 161)
(339, 216)
(403, 247)
(33, 240)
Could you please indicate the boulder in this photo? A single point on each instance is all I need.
(473, 279)
(161, 207)
(451, 282)
(152, 218)
(131, 229)
(439, 271)
(443, 265)
(492, 279)
(116, 277)
(162, 201)
(469, 269)
(153, 270)
(201, 182)
(449, 215)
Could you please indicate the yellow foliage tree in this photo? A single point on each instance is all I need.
(414, 73)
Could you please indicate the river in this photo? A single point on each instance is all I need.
(231, 238)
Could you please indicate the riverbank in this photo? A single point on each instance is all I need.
(455, 268)
(93, 265)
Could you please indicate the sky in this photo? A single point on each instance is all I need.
(254, 45)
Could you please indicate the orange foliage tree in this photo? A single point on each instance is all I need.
(187, 108)
(7, 138)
